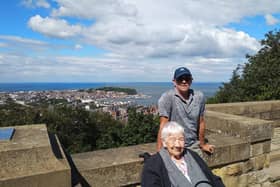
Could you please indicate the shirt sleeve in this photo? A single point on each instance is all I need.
(164, 105)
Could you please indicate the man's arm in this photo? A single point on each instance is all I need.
(201, 135)
(162, 121)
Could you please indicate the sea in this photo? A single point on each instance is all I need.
(151, 89)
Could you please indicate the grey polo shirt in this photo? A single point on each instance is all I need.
(184, 112)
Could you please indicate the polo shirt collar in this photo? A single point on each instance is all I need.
(190, 91)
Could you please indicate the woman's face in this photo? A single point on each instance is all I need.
(175, 145)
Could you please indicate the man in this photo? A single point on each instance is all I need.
(186, 107)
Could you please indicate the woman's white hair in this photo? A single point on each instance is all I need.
(169, 128)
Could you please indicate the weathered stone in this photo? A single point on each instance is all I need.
(28, 159)
(258, 162)
(275, 114)
(260, 148)
(243, 181)
(247, 166)
(267, 184)
(265, 115)
(220, 172)
(267, 161)
(230, 181)
(244, 108)
(254, 185)
(253, 130)
(257, 177)
(112, 167)
(275, 184)
(228, 150)
(234, 169)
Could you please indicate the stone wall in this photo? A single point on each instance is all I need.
(256, 122)
(267, 110)
(243, 146)
(241, 132)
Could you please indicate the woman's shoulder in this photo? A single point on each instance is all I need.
(155, 158)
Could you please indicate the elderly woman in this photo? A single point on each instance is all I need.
(174, 165)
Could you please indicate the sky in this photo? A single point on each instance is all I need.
(130, 40)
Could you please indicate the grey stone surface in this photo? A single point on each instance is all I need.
(28, 160)
(250, 129)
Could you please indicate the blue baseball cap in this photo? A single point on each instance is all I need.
(182, 71)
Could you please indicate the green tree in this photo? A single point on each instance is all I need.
(259, 78)
(108, 130)
(141, 128)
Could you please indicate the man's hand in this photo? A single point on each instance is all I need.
(207, 148)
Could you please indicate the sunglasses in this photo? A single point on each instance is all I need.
(184, 78)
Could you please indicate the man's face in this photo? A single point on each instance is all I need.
(183, 83)
(175, 145)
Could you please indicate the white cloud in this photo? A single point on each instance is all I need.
(36, 3)
(147, 29)
(270, 20)
(146, 40)
(42, 3)
(22, 40)
(54, 27)
(78, 46)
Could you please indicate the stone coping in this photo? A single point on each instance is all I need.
(244, 108)
(250, 129)
(28, 153)
(113, 156)
(227, 150)
(22, 138)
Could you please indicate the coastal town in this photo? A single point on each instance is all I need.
(116, 103)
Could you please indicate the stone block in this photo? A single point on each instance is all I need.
(275, 114)
(260, 148)
(247, 166)
(254, 185)
(28, 159)
(257, 177)
(112, 167)
(234, 169)
(266, 115)
(228, 150)
(259, 162)
(267, 184)
(275, 184)
(275, 105)
(260, 107)
(250, 129)
(242, 180)
(231, 181)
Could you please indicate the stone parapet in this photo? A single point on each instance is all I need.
(28, 160)
(268, 110)
(112, 167)
(250, 129)
(242, 155)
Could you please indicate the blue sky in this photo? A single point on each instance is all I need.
(129, 40)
